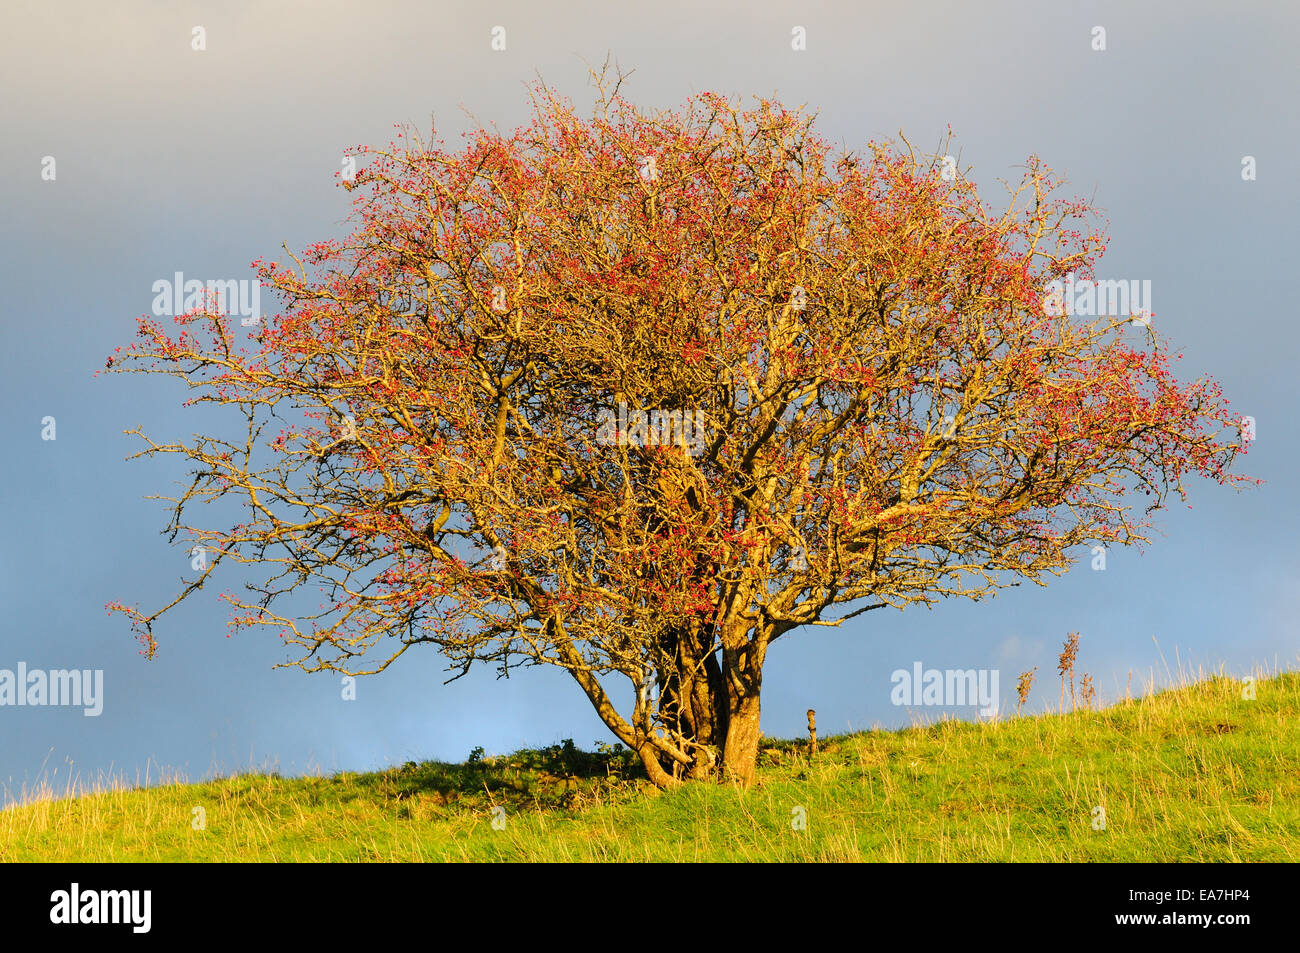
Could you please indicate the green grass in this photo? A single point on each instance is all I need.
(1196, 773)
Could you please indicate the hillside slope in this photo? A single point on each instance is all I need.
(1196, 773)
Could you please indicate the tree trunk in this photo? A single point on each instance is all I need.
(740, 754)
(710, 716)
(744, 679)
(693, 702)
(711, 709)
(653, 769)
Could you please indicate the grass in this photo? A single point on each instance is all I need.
(1194, 773)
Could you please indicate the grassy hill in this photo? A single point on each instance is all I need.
(1196, 773)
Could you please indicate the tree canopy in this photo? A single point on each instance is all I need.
(636, 394)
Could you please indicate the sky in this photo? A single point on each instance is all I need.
(168, 158)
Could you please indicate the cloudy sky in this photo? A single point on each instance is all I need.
(168, 159)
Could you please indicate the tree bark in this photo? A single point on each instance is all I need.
(658, 776)
(744, 679)
(710, 709)
(693, 699)
(740, 754)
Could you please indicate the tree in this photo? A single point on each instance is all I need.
(636, 395)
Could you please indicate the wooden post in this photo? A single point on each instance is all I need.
(812, 733)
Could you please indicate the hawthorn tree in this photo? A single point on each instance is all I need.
(636, 395)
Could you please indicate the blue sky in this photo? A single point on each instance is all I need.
(170, 159)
